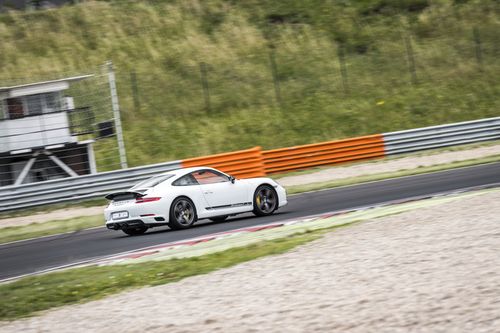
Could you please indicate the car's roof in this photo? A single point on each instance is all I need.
(184, 171)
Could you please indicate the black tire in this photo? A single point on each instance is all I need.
(265, 200)
(135, 231)
(219, 218)
(182, 214)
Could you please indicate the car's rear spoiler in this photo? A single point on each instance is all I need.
(135, 194)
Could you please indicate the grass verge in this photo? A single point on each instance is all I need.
(10, 234)
(29, 295)
(386, 175)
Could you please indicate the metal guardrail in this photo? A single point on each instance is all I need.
(77, 188)
(255, 162)
(442, 136)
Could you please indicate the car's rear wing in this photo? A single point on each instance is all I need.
(124, 195)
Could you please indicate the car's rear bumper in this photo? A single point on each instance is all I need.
(125, 225)
(150, 214)
(148, 221)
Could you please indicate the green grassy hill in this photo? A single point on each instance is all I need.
(199, 77)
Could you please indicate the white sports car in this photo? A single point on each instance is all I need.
(178, 198)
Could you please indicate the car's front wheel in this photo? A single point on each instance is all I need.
(265, 200)
(182, 214)
(135, 231)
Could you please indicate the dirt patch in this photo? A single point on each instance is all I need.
(434, 269)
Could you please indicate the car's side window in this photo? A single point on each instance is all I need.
(185, 181)
(209, 177)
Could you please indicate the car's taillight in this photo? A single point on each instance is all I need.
(147, 199)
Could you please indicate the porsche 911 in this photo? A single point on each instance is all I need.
(179, 198)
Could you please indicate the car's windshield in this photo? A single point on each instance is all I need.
(152, 182)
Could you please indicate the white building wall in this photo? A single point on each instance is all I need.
(36, 131)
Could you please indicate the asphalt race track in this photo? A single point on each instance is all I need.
(31, 256)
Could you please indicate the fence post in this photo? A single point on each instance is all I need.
(135, 91)
(116, 113)
(478, 47)
(411, 59)
(343, 68)
(204, 84)
(274, 72)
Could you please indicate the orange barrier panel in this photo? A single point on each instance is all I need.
(324, 153)
(257, 163)
(240, 164)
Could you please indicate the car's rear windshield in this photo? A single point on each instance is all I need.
(152, 182)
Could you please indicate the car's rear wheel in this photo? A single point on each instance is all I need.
(219, 218)
(182, 214)
(265, 200)
(135, 231)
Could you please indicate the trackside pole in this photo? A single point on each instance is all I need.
(116, 115)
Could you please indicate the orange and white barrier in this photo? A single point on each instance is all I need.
(256, 162)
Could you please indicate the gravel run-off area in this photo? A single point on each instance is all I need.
(435, 269)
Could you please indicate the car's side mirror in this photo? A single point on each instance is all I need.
(232, 179)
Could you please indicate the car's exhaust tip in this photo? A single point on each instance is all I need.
(113, 226)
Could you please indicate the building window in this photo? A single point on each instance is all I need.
(3, 110)
(52, 102)
(33, 105)
(15, 108)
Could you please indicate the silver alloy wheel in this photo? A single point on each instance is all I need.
(266, 200)
(184, 212)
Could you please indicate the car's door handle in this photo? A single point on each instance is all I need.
(208, 192)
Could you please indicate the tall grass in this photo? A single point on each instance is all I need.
(276, 73)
